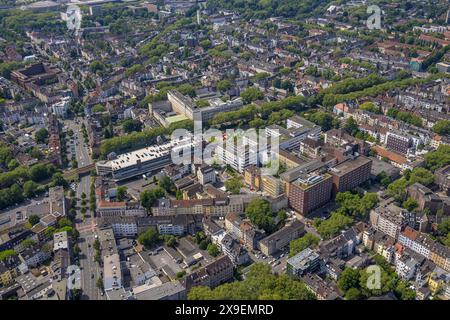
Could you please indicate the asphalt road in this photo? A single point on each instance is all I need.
(90, 270)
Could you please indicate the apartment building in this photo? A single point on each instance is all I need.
(310, 192)
(398, 143)
(120, 209)
(272, 186)
(216, 207)
(423, 245)
(212, 275)
(232, 248)
(112, 272)
(351, 173)
(281, 238)
(186, 106)
(303, 262)
(388, 218)
(206, 174)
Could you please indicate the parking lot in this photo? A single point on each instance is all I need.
(138, 184)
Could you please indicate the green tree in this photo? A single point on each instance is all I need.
(30, 188)
(410, 204)
(422, 176)
(260, 214)
(439, 158)
(58, 180)
(131, 125)
(12, 164)
(387, 284)
(442, 127)
(98, 108)
(353, 294)
(234, 185)
(322, 119)
(40, 172)
(121, 193)
(64, 222)
(300, 244)
(224, 85)
(170, 241)
(34, 219)
(99, 284)
(349, 278)
(149, 197)
(27, 243)
(166, 183)
(5, 254)
(403, 291)
(333, 225)
(149, 237)
(259, 284)
(282, 215)
(371, 107)
(397, 189)
(213, 250)
(251, 94)
(351, 126)
(41, 135)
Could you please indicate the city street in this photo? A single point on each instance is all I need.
(90, 270)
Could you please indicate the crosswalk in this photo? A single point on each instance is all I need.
(86, 228)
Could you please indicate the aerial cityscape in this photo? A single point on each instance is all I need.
(224, 150)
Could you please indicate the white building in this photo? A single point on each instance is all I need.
(60, 241)
(112, 272)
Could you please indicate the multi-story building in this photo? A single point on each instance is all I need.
(281, 238)
(426, 198)
(351, 173)
(206, 174)
(302, 263)
(272, 186)
(212, 275)
(310, 192)
(250, 235)
(423, 245)
(122, 226)
(144, 160)
(252, 177)
(167, 291)
(112, 272)
(388, 218)
(237, 253)
(60, 241)
(406, 266)
(398, 143)
(215, 207)
(415, 241)
(35, 255)
(442, 178)
(9, 270)
(238, 153)
(120, 209)
(233, 224)
(341, 246)
(322, 289)
(186, 106)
